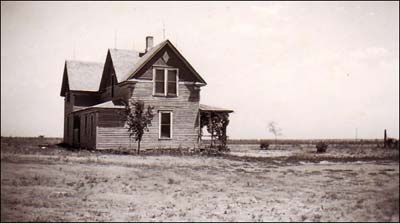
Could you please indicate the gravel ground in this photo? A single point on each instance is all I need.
(54, 184)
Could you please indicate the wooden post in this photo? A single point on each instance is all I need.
(199, 136)
(384, 139)
(212, 134)
(212, 130)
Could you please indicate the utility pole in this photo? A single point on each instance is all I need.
(384, 138)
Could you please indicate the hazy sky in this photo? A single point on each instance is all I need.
(318, 69)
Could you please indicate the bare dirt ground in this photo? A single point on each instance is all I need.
(55, 184)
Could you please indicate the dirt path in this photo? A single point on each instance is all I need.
(154, 188)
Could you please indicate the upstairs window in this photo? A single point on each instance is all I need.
(172, 82)
(159, 82)
(165, 82)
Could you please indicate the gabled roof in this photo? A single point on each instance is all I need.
(109, 104)
(123, 61)
(86, 76)
(142, 60)
(213, 109)
(151, 53)
(82, 76)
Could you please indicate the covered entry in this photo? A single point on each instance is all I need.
(76, 139)
(216, 121)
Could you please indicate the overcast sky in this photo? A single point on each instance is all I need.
(318, 69)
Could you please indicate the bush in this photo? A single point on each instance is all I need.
(321, 147)
(392, 143)
(264, 145)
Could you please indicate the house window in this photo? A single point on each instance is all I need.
(90, 125)
(165, 128)
(67, 126)
(172, 82)
(86, 128)
(159, 82)
(92, 121)
(165, 82)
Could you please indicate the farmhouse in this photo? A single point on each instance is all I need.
(95, 96)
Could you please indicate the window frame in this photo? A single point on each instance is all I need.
(92, 125)
(154, 82)
(165, 69)
(171, 121)
(86, 124)
(67, 125)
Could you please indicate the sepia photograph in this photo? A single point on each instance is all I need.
(212, 111)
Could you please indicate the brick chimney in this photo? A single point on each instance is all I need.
(149, 43)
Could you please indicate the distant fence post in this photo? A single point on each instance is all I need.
(384, 139)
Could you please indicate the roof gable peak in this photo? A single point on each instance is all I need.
(152, 52)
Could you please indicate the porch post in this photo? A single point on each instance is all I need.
(199, 136)
(212, 130)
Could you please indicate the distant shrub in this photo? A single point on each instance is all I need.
(321, 147)
(392, 143)
(264, 145)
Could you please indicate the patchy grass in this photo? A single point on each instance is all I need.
(55, 184)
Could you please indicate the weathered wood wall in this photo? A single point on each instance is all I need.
(68, 106)
(88, 131)
(112, 134)
(78, 101)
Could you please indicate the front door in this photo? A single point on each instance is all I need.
(76, 131)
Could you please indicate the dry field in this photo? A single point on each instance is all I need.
(55, 184)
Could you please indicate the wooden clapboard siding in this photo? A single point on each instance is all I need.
(77, 102)
(184, 116)
(67, 123)
(111, 131)
(68, 109)
(87, 138)
(112, 134)
(120, 92)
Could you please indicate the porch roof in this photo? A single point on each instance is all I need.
(208, 108)
(106, 105)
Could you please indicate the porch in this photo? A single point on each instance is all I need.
(215, 120)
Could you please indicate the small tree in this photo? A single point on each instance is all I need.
(216, 124)
(138, 119)
(272, 127)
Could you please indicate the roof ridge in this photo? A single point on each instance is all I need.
(124, 49)
(145, 57)
(83, 61)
